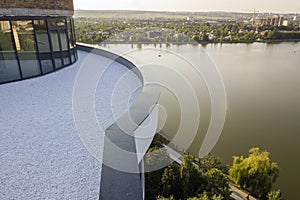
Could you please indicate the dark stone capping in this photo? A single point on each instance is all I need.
(116, 184)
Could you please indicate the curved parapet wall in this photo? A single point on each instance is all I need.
(112, 56)
(127, 139)
(36, 8)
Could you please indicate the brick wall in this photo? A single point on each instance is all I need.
(38, 4)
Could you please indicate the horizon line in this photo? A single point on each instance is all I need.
(189, 11)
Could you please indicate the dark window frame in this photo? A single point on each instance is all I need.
(71, 51)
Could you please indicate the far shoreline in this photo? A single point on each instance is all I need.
(201, 43)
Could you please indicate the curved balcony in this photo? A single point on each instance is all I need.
(44, 153)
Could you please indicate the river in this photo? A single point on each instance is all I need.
(262, 85)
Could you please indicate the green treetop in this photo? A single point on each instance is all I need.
(256, 173)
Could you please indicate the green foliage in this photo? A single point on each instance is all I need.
(212, 161)
(255, 173)
(153, 178)
(171, 182)
(218, 183)
(204, 38)
(158, 141)
(6, 41)
(191, 177)
(28, 44)
(282, 35)
(275, 195)
(163, 198)
(272, 35)
(205, 196)
(154, 156)
(89, 30)
(200, 179)
(196, 38)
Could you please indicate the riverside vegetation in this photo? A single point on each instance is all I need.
(178, 31)
(210, 177)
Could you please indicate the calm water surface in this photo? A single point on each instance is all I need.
(262, 83)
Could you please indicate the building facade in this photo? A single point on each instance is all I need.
(36, 38)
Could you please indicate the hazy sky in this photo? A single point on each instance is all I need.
(191, 5)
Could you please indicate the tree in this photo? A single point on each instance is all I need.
(158, 141)
(218, 183)
(170, 181)
(27, 44)
(153, 184)
(196, 38)
(275, 195)
(163, 198)
(6, 42)
(255, 173)
(191, 177)
(211, 161)
(204, 37)
(205, 196)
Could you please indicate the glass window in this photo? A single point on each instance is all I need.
(66, 57)
(64, 46)
(34, 47)
(42, 35)
(71, 41)
(74, 39)
(72, 55)
(73, 31)
(57, 22)
(9, 68)
(57, 60)
(43, 45)
(55, 40)
(26, 47)
(63, 39)
(56, 49)
(46, 62)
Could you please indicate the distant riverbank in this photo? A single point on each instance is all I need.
(196, 43)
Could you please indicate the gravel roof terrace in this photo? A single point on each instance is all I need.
(41, 154)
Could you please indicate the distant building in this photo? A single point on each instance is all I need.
(285, 22)
(154, 34)
(275, 20)
(37, 37)
(259, 21)
(295, 21)
(295, 18)
(190, 19)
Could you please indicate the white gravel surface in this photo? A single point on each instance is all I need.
(41, 154)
